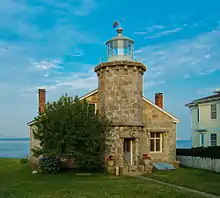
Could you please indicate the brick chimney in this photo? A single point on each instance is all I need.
(42, 100)
(159, 99)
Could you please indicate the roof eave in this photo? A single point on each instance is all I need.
(190, 105)
(201, 101)
(32, 122)
(88, 94)
(175, 120)
(208, 100)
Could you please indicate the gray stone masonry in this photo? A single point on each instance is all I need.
(120, 91)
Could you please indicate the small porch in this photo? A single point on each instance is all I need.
(128, 158)
(133, 164)
(130, 154)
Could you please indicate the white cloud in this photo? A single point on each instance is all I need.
(76, 7)
(36, 47)
(90, 82)
(149, 29)
(77, 54)
(167, 32)
(32, 52)
(141, 32)
(85, 7)
(186, 76)
(45, 65)
(187, 57)
(206, 91)
(72, 82)
(152, 83)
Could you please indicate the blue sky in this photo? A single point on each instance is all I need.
(56, 44)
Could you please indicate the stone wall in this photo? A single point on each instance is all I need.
(116, 140)
(157, 121)
(154, 120)
(93, 99)
(120, 91)
(33, 143)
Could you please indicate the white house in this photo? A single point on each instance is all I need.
(205, 118)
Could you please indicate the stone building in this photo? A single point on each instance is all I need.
(139, 126)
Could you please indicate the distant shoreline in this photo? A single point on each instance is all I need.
(20, 147)
(13, 139)
(27, 139)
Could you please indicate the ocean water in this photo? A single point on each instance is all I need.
(183, 144)
(14, 147)
(20, 147)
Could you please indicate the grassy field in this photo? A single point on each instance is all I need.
(17, 181)
(193, 178)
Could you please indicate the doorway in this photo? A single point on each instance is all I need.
(128, 150)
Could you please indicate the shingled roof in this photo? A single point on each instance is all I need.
(203, 100)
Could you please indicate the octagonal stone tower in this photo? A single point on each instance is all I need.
(120, 83)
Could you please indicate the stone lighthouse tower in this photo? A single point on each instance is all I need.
(120, 97)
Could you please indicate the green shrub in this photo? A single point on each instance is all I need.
(24, 161)
(212, 152)
(70, 127)
(50, 165)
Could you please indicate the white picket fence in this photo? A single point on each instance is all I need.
(200, 163)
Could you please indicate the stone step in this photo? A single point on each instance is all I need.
(132, 170)
(132, 167)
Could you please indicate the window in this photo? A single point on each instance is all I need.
(202, 139)
(92, 108)
(213, 111)
(198, 114)
(156, 142)
(213, 139)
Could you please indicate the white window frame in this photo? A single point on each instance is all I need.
(95, 106)
(213, 112)
(156, 138)
(212, 140)
(202, 134)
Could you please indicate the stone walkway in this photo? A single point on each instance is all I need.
(178, 187)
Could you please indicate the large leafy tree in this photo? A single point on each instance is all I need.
(70, 127)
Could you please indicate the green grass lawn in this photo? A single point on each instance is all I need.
(193, 178)
(17, 181)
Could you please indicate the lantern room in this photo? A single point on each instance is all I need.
(120, 48)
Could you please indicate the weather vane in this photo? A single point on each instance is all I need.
(117, 23)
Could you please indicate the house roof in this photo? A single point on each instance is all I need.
(145, 99)
(162, 110)
(81, 98)
(204, 100)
